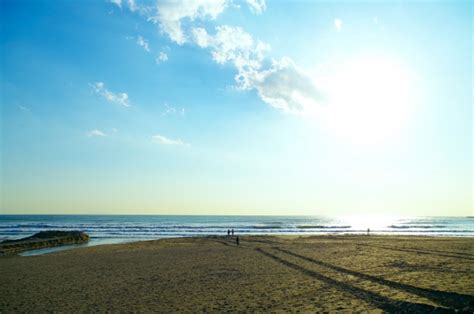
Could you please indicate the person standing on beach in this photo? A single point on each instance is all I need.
(232, 231)
(237, 240)
(228, 232)
(368, 231)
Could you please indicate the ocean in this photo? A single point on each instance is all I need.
(121, 228)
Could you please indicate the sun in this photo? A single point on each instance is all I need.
(370, 100)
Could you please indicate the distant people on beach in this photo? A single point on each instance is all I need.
(368, 231)
(228, 232)
(237, 240)
(232, 231)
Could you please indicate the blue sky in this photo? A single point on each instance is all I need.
(236, 107)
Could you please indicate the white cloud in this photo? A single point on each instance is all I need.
(142, 42)
(287, 87)
(172, 12)
(117, 2)
(282, 84)
(234, 45)
(95, 133)
(256, 6)
(201, 37)
(162, 57)
(132, 5)
(160, 139)
(118, 98)
(338, 24)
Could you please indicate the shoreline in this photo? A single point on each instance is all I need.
(263, 273)
(114, 241)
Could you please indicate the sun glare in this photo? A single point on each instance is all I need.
(372, 221)
(370, 100)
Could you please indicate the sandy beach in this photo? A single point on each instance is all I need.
(323, 273)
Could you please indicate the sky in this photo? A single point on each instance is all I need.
(236, 107)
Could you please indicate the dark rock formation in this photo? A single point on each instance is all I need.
(41, 240)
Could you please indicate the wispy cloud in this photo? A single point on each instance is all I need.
(162, 57)
(116, 2)
(95, 133)
(338, 24)
(160, 139)
(142, 42)
(23, 108)
(171, 110)
(256, 6)
(117, 98)
(131, 4)
(168, 110)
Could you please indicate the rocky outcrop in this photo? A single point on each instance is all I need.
(41, 240)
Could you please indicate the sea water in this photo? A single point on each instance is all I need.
(127, 228)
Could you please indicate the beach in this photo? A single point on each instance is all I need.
(263, 273)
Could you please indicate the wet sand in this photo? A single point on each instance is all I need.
(281, 274)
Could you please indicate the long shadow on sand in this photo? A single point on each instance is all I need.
(418, 251)
(377, 300)
(460, 302)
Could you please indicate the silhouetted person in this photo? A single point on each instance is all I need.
(228, 232)
(237, 240)
(368, 231)
(232, 231)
